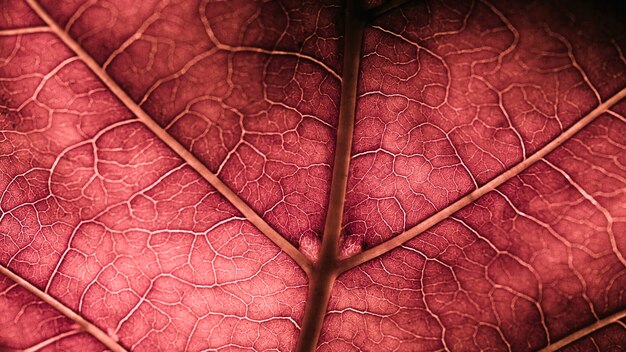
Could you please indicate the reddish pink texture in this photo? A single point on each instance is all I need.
(609, 339)
(17, 14)
(454, 94)
(263, 122)
(101, 215)
(529, 262)
(27, 321)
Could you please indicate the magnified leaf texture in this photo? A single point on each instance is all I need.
(320, 175)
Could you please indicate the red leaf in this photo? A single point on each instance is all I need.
(436, 175)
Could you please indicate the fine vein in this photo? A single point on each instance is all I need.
(186, 155)
(479, 192)
(88, 327)
(587, 330)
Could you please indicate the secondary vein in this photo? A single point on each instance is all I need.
(515, 170)
(88, 327)
(168, 139)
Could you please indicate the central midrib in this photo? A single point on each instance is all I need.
(324, 272)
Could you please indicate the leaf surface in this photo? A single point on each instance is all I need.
(382, 175)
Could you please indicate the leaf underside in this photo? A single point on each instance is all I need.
(318, 175)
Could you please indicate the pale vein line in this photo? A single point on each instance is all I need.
(52, 340)
(28, 30)
(602, 209)
(276, 52)
(479, 192)
(587, 330)
(87, 326)
(616, 115)
(186, 155)
(273, 52)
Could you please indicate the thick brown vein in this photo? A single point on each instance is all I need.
(324, 274)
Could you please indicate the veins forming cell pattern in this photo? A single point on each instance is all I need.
(388, 175)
